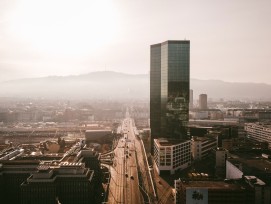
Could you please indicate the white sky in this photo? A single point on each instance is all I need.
(230, 39)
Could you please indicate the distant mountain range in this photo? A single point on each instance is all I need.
(115, 85)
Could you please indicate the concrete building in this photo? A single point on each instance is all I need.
(212, 114)
(61, 178)
(11, 153)
(92, 160)
(213, 192)
(203, 102)
(169, 89)
(216, 114)
(171, 155)
(244, 145)
(259, 132)
(96, 135)
(220, 156)
(201, 147)
(65, 182)
(199, 115)
(249, 164)
(40, 187)
(191, 100)
(250, 115)
(199, 131)
(236, 169)
(13, 174)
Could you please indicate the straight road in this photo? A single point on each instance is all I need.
(124, 185)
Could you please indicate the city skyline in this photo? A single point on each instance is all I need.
(160, 102)
(229, 36)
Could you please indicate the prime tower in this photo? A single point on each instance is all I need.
(169, 89)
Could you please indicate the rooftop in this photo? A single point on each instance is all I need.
(202, 139)
(93, 131)
(43, 167)
(71, 164)
(260, 164)
(215, 184)
(168, 142)
(264, 125)
(220, 149)
(213, 122)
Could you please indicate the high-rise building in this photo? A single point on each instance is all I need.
(203, 101)
(191, 102)
(169, 89)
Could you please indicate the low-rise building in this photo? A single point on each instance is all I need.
(171, 155)
(213, 192)
(256, 169)
(244, 145)
(13, 174)
(259, 132)
(249, 164)
(96, 135)
(64, 183)
(202, 146)
(58, 178)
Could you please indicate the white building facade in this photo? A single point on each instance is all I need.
(201, 147)
(259, 132)
(172, 155)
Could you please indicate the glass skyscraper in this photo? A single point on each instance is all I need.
(169, 89)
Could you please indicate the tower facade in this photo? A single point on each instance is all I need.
(191, 101)
(203, 101)
(169, 89)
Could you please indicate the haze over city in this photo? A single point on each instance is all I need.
(130, 102)
(230, 40)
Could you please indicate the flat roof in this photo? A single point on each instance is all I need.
(257, 164)
(172, 42)
(234, 185)
(196, 138)
(19, 162)
(43, 167)
(99, 130)
(264, 125)
(168, 141)
(214, 122)
(252, 160)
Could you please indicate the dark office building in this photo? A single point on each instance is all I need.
(12, 175)
(93, 162)
(39, 188)
(66, 183)
(198, 131)
(169, 89)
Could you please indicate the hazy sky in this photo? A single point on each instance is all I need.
(230, 39)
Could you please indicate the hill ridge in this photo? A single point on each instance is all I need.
(112, 85)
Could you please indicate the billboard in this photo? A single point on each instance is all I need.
(197, 195)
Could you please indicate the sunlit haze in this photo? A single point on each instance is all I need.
(135, 101)
(230, 40)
